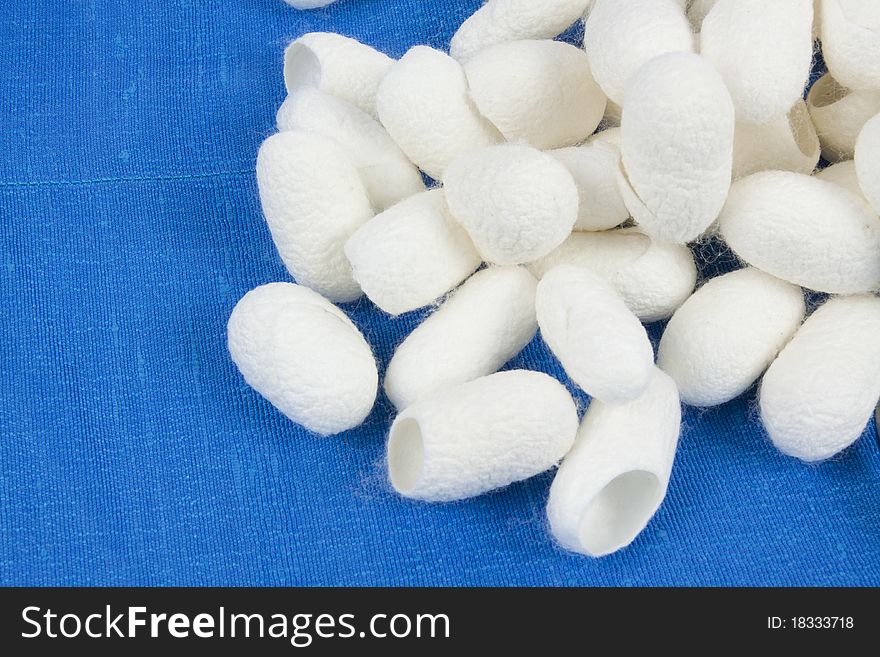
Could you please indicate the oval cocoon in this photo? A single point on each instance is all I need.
(724, 336)
(868, 161)
(839, 115)
(818, 395)
(785, 143)
(304, 355)
(480, 435)
(851, 42)
(805, 231)
(515, 202)
(411, 254)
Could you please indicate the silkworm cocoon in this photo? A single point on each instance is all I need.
(763, 51)
(424, 104)
(480, 435)
(614, 479)
(541, 92)
(653, 278)
(787, 143)
(411, 254)
(804, 230)
(304, 355)
(839, 114)
(599, 342)
(676, 144)
(484, 324)
(515, 202)
(387, 173)
(499, 21)
(622, 35)
(818, 395)
(867, 159)
(337, 64)
(851, 42)
(843, 174)
(313, 199)
(724, 336)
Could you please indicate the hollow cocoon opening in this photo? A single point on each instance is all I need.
(515, 202)
(851, 42)
(653, 278)
(313, 200)
(843, 174)
(387, 173)
(499, 21)
(867, 159)
(601, 345)
(337, 64)
(481, 435)
(615, 477)
(787, 143)
(411, 254)
(424, 104)
(818, 395)
(804, 230)
(839, 115)
(540, 92)
(622, 35)
(676, 144)
(304, 355)
(724, 336)
(483, 324)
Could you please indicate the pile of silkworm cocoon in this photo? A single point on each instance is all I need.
(519, 184)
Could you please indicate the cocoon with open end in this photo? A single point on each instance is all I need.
(763, 51)
(843, 174)
(305, 356)
(614, 479)
(424, 104)
(515, 202)
(313, 199)
(622, 35)
(388, 175)
(867, 159)
(483, 324)
(851, 42)
(601, 345)
(338, 65)
(411, 254)
(676, 144)
(499, 21)
(786, 143)
(481, 435)
(653, 278)
(805, 231)
(540, 92)
(839, 115)
(724, 336)
(818, 395)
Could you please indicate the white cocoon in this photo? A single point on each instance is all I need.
(615, 477)
(787, 143)
(338, 65)
(304, 355)
(622, 35)
(540, 92)
(724, 336)
(867, 159)
(424, 104)
(804, 230)
(313, 199)
(839, 115)
(843, 174)
(599, 342)
(516, 202)
(818, 395)
(499, 21)
(763, 51)
(676, 144)
(481, 435)
(387, 173)
(484, 324)
(851, 42)
(411, 254)
(653, 278)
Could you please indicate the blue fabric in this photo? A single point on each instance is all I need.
(131, 452)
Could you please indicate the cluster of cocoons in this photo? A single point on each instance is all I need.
(519, 185)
